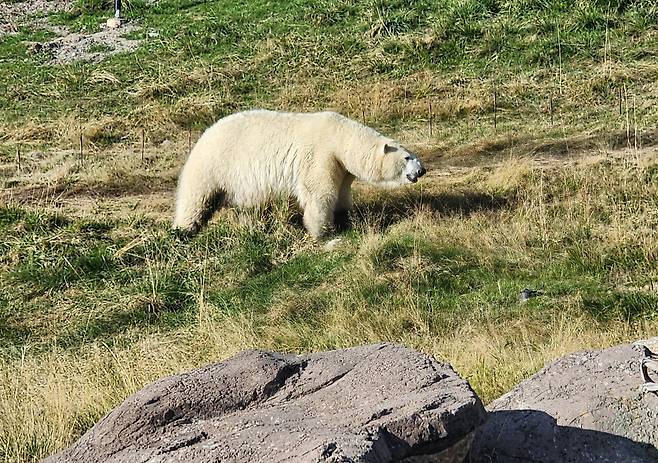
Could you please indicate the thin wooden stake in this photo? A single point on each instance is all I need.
(431, 115)
(81, 153)
(495, 108)
(634, 124)
(363, 113)
(551, 108)
(18, 156)
(628, 125)
(605, 45)
(620, 98)
(142, 146)
(189, 141)
(559, 51)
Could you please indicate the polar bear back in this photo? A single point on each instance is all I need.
(256, 155)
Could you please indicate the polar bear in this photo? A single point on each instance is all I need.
(250, 157)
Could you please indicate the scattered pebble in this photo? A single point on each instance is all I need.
(113, 23)
(13, 14)
(89, 47)
(332, 244)
(527, 293)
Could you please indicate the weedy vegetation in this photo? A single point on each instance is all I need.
(537, 120)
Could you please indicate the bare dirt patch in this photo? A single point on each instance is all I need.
(68, 46)
(88, 47)
(14, 15)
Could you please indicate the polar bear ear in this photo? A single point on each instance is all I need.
(389, 148)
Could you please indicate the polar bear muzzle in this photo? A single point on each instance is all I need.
(404, 166)
(413, 168)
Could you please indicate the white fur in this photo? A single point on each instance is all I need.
(251, 157)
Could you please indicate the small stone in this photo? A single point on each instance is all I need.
(113, 23)
(332, 244)
(527, 293)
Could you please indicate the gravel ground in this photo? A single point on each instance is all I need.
(68, 46)
(15, 14)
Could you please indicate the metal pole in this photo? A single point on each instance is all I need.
(117, 8)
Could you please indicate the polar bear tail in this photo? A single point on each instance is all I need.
(196, 200)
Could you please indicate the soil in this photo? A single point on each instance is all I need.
(68, 46)
(15, 15)
(88, 47)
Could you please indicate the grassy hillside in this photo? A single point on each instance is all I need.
(385, 61)
(536, 119)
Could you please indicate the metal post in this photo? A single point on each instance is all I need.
(117, 8)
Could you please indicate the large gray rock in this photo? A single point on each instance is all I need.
(585, 407)
(378, 403)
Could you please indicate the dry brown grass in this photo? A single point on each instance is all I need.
(50, 399)
(462, 105)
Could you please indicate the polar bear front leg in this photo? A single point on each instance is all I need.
(318, 216)
(318, 198)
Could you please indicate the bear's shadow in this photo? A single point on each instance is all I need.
(382, 212)
(385, 209)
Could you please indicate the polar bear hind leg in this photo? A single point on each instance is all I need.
(195, 204)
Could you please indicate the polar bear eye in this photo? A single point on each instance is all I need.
(407, 158)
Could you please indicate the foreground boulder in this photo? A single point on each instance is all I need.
(378, 403)
(585, 407)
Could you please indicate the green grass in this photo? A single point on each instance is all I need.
(99, 305)
(243, 54)
(50, 260)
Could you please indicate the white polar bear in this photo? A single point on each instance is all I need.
(251, 157)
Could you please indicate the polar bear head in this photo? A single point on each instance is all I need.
(398, 165)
